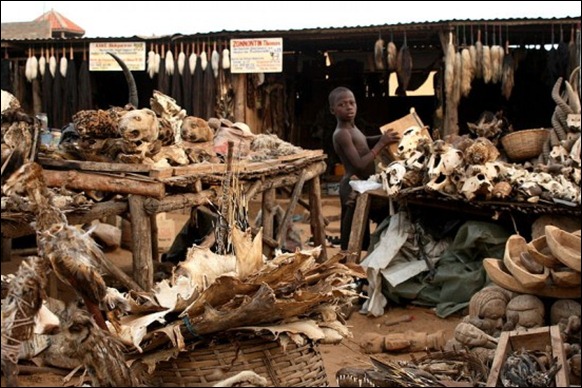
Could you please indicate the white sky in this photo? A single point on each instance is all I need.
(147, 18)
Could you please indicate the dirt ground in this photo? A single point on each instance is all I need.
(348, 353)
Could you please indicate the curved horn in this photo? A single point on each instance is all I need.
(133, 100)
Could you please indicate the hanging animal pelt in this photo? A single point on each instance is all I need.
(403, 68)
(495, 64)
(450, 66)
(203, 59)
(379, 54)
(30, 67)
(456, 92)
(63, 64)
(486, 64)
(192, 59)
(479, 56)
(41, 63)
(53, 63)
(157, 60)
(181, 59)
(151, 62)
(573, 55)
(466, 72)
(508, 72)
(169, 62)
(215, 60)
(391, 55)
(226, 58)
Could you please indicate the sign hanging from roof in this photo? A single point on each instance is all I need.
(132, 53)
(262, 55)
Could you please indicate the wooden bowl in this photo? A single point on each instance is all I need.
(514, 246)
(499, 275)
(540, 252)
(565, 246)
(565, 277)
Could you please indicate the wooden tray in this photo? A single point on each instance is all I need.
(532, 339)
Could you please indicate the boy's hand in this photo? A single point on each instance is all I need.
(390, 137)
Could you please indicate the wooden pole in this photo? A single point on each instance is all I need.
(317, 221)
(141, 233)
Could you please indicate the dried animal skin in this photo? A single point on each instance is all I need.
(487, 66)
(466, 72)
(391, 53)
(450, 66)
(379, 54)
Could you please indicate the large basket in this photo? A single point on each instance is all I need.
(204, 366)
(525, 144)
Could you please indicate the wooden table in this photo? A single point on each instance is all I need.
(147, 192)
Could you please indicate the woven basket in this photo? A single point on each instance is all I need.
(207, 364)
(525, 144)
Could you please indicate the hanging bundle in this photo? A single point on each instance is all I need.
(379, 53)
(391, 53)
(473, 54)
(226, 57)
(42, 63)
(203, 57)
(169, 61)
(151, 62)
(466, 68)
(31, 66)
(215, 60)
(157, 60)
(450, 66)
(192, 59)
(403, 68)
(63, 64)
(53, 62)
(508, 71)
(479, 56)
(181, 59)
(487, 67)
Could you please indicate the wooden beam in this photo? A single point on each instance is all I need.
(141, 230)
(76, 180)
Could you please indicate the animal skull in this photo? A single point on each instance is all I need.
(139, 126)
(445, 161)
(477, 183)
(410, 140)
(392, 177)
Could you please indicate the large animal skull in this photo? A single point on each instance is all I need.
(410, 139)
(477, 183)
(392, 177)
(444, 160)
(139, 126)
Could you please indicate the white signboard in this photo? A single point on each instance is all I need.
(132, 53)
(262, 55)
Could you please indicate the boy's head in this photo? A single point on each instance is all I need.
(334, 94)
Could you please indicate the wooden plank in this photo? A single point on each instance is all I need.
(282, 232)
(358, 227)
(317, 220)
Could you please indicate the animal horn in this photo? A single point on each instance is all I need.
(133, 99)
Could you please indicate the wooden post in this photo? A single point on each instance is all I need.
(267, 215)
(141, 233)
(316, 217)
(358, 227)
(282, 232)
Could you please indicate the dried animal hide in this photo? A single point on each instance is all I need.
(169, 62)
(486, 62)
(42, 63)
(379, 54)
(495, 63)
(151, 63)
(466, 72)
(391, 55)
(53, 64)
(215, 61)
(450, 67)
(507, 78)
(479, 56)
(404, 69)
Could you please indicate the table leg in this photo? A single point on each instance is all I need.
(316, 217)
(141, 232)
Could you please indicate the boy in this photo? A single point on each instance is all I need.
(357, 153)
